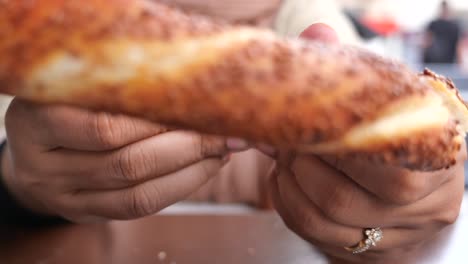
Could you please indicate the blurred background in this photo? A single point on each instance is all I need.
(422, 33)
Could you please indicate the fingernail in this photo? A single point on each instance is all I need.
(267, 149)
(237, 144)
(320, 32)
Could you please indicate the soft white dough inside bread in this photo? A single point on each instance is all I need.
(416, 116)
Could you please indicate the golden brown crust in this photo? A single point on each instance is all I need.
(40, 27)
(225, 96)
(281, 92)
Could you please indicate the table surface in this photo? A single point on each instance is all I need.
(176, 239)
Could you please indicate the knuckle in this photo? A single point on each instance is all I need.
(124, 167)
(104, 130)
(407, 189)
(306, 222)
(338, 202)
(139, 203)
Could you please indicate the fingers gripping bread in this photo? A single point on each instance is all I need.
(148, 60)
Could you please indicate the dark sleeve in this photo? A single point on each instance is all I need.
(430, 27)
(12, 214)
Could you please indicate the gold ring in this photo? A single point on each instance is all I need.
(372, 236)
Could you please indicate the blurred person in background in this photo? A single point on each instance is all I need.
(442, 38)
(64, 163)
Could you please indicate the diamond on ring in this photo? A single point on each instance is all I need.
(372, 237)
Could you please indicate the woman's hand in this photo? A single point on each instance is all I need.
(84, 166)
(329, 201)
